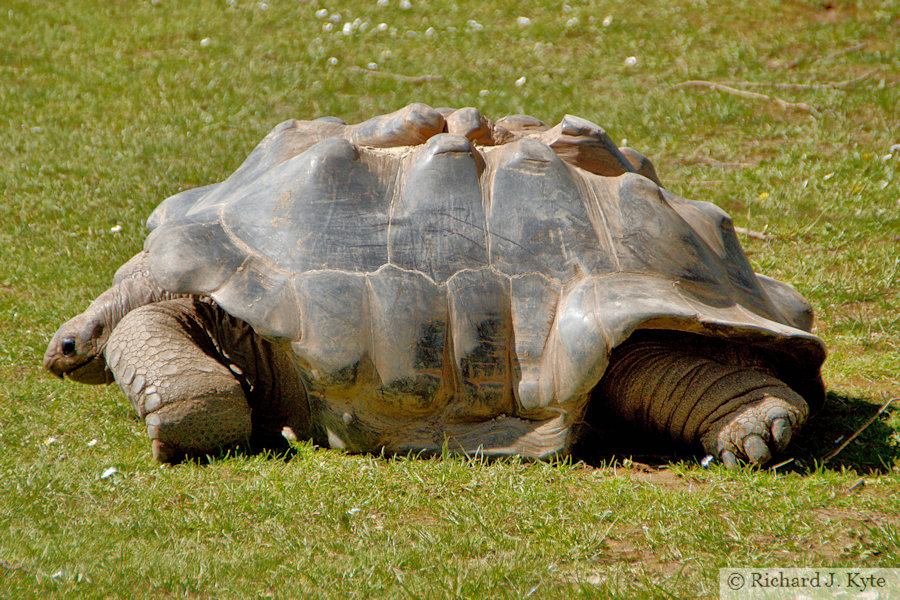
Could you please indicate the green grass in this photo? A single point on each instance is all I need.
(108, 107)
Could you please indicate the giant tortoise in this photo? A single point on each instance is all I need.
(429, 280)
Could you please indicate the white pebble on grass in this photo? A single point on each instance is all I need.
(828, 176)
(347, 29)
(521, 81)
(405, 4)
(327, 26)
(372, 66)
(429, 32)
(474, 25)
(205, 42)
(382, 27)
(354, 511)
(332, 61)
(381, 3)
(93, 443)
(707, 460)
(115, 229)
(484, 93)
(630, 61)
(322, 13)
(572, 22)
(607, 21)
(109, 473)
(523, 21)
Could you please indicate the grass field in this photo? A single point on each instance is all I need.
(108, 107)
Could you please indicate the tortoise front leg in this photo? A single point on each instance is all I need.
(162, 358)
(704, 393)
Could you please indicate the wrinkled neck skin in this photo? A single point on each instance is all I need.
(76, 350)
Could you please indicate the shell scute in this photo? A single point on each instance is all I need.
(437, 222)
(538, 219)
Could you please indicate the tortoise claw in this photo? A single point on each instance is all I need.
(729, 460)
(756, 450)
(781, 433)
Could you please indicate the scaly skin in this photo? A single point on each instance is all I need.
(76, 350)
(200, 379)
(720, 396)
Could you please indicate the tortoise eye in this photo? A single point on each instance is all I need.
(68, 347)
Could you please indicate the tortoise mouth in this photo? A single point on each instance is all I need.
(93, 372)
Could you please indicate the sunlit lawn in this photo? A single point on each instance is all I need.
(108, 107)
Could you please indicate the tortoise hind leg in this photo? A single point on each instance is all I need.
(703, 392)
(193, 405)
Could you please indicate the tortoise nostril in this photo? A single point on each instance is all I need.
(68, 347)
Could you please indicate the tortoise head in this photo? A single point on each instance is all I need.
(76, 350)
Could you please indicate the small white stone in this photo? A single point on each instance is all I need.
(115, 229)
(372, 66)
(335, 17)
(354, 511)
(631, 61)
(322, 13)
(521, 81)
(828, 176)
(567, 8)
(332, 61)
(347, 29)
(288, 434)
(205, 42)
(607, 21)
(523, 21)
(109, 473)
(385, 54)
(429, 32)
(572, 22)
(707, 460)
(624, 142)
(405, 4)
(474, 25)
(484, 93)
(263, 6)
(327, 26)
(93, 443)
(382, 27)
(381, 3)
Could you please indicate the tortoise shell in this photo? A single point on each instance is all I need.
(440, 278)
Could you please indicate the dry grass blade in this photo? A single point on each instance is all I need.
(756, 235)
(834, 85)
(699, 83)
(838, 450)
(842, 52)
(397, 76)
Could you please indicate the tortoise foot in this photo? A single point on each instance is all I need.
(756, 432)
